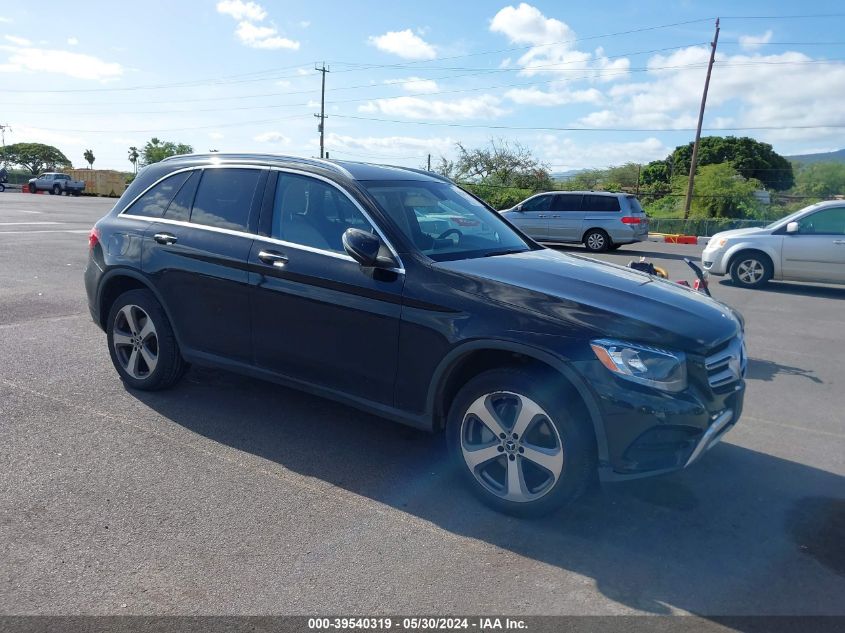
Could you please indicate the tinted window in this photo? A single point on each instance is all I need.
(180, 207)
(154, 202)
(224, 198)
(600, 203)
(313, 213)
(540, 203)
(826, 222)
(636, 207)
(567, 202)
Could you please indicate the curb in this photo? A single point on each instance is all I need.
(677, 239)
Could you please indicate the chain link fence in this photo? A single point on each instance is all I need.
(705, 227)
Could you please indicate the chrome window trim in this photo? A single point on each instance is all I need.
(400, 269)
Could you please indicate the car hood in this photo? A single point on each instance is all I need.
(739, 232)
(609, 300)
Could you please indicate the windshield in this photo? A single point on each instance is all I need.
(443, 221)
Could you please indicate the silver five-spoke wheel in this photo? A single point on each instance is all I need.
(135, 341)
(511, 446)
(750, 271)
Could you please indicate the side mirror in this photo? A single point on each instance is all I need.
(363, 247)
(792, 227)
(518, 207)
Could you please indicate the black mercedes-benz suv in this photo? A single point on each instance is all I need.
(395, 291)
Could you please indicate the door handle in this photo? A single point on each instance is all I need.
(164, 238)
(542, 216)
(273, 258)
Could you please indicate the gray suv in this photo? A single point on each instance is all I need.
(598, 219)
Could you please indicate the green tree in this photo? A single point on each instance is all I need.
(35, 157)
(133, 158)
(88, 155)
(499, 163)
(720, 191)
(821, 179)
(156, 150)
(657, 172)
(751, 158)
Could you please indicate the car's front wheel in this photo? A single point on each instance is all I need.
(522, 448)
(141, 342)
(751, 270)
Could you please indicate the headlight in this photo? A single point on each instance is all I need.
(719, 243)
(652, 366)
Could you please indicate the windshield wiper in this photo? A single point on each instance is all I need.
(510, 251)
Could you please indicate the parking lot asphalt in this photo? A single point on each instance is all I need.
(228, 495)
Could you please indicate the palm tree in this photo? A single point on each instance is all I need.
(89, 158)
(133, 157)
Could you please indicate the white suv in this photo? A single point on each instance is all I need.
(808, 245)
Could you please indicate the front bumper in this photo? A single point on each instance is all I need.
(714, 262)
(650, 432)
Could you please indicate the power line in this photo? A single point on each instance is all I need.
(590, 129)
(177, 129)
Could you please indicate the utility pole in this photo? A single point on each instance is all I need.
(638, 178)
(429, 162)
(694, 158)
(3, 129)
(322, 116)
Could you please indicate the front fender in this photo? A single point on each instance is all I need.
(773, 254)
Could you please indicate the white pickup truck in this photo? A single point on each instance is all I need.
(56, 184)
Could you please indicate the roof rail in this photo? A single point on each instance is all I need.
(315, 162)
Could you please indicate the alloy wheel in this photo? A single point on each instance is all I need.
(511, 446)
(135, 341)
(750, 271)
(595, 241)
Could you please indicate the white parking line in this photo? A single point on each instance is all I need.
(46, 231)
(26, 223)
(23, 211)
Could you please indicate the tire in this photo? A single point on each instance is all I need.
(33, 189)
(146, 355)
(597, 241)
(751, 269)
(56, 190)
(564, 439)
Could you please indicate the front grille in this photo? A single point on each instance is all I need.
(727, 366)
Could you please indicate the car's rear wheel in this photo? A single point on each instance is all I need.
(751, 270)
(56, 190)
(520, 445)
(141, 342)
(597, 241)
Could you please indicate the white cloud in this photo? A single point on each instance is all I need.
(72, 41)
(266, 37)
(534, 96)
(390, 145)
(753, 42)
(272, 137)
(783, 91)
(304, 24)
(415, 84)
(251, 34)
(17, 41)
(242, 10)
(5, 20)
(405, 44)
(552, 46)
(481, 107)
(215, 135)
(563, 154)
(77, 65)
(283, 83)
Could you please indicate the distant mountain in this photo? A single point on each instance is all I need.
(566, 175)
(826, 157)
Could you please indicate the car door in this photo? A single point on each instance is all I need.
(532, 218)
(566, 218)
(317, 315)
(196, 255)
(817, 251)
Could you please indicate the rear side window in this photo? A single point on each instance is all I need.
(224, 198)
(600, 203)
(567, 202)
(153, 203)
(180, 207)
(635, 205)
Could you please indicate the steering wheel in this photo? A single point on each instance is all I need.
(449, 232)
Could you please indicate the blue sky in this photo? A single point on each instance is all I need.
(412, 78)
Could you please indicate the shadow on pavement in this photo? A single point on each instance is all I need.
(741, 532)
(796, 288)
(633, 254)
(767, 370)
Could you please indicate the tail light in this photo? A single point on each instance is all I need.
(631, 220)
(93, 238)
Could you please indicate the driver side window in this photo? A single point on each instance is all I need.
(540, 203)
(825, 222)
